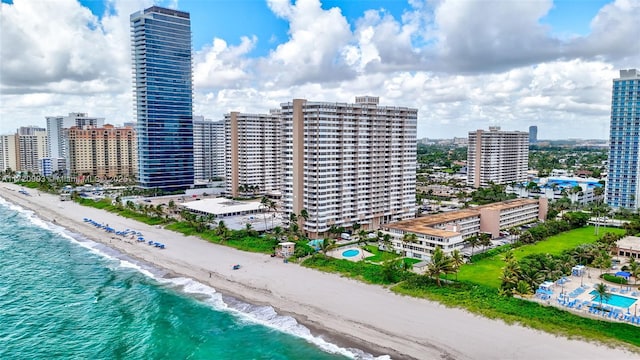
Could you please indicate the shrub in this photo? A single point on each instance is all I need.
(614, 279)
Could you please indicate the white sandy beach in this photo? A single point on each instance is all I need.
(346, 309)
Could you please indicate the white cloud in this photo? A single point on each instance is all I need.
(464, 64)
(317, 39)
(220, 65)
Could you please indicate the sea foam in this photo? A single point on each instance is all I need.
(255, 314)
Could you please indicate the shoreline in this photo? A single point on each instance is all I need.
(341, 311)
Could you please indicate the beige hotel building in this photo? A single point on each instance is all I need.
(498, 157)
(348, 163)
(450, 230)
(105, 152)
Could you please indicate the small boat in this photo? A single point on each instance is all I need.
(236, 267)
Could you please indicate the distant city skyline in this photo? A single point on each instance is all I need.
(464, 64)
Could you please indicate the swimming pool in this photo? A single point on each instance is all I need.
(350, 253)
(614, 300)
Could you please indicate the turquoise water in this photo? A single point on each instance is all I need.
(316, 244)
(351, 253)
(67, 298)
(614, 300)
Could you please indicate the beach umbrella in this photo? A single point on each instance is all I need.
(624, 274)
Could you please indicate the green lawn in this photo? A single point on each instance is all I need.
(379, 255)
(555, 245)
(487, 271)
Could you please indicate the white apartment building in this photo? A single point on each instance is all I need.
(449, 231)
(32, 145)
(56, 125)
(578, 190)
(348, 163)
(208, 148)
(8, 152)
(498, 157)
(52, 165)
(253, 152)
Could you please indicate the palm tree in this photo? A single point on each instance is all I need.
(485, 240)
(457, 260)
(473, 241)
(602, 261)
(273, 207)
(327, 245)
(531, 276)
(130, 205)
(510, 274)
(304, 214)
(582, 252)
(221, 227)
(333, 229)
(601, 289)
(634, 269)
(409, 238)
(362, 236)
(293, 223)
(440, 264)
(514, 232)
(277, 232)
(522, 288)
(526, 237)
(386, 241)
(264, 203)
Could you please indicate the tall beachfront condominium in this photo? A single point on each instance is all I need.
(31, 147)
(253, 148)
(208, 148)
(56, 126)
(103, 152)
(161, 47)
(348, 163)
(497, 157)
(8, 152)
(623, 183)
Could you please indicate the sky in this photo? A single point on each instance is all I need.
(464, 64)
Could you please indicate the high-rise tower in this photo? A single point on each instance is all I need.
(622, 189)
(497, 157)
(533, 134)
(161, 48)
(348, 163)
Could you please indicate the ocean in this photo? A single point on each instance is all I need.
(63, 296)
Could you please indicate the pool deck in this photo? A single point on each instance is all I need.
(337, 253)
(574, 295)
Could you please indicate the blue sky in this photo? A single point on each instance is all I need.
(465, 64)
(253, 17)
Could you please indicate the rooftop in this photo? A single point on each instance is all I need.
(222, 206)
(508, 204)
(629, 242)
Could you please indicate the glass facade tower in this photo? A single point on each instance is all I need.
(163, 90)
(622, 188)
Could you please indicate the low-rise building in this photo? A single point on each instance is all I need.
(223, 207)
(449, 231)
(577, 189)
(628, 247)
(53, 165)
